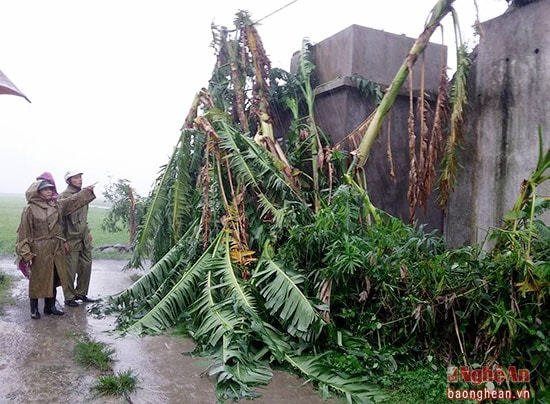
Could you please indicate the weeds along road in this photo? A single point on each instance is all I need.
(37, 363)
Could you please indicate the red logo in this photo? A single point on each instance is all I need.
(486, 374)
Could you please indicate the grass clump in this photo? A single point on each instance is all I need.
(98, 355)
(5, 286)
(92, 353)
(120, 383)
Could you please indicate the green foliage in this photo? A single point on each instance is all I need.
(121, 196)
(11, 207)
(285, 300)
(238, 366)
(96, 354)
(118, 384)
(424, 384)
(178, 272)
(330, 381)
(93, 353)
(271, 261)
(170, 207)
(5, 288)
(367, 88)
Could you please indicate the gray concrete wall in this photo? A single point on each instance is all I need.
(509, 98)
(376, 55)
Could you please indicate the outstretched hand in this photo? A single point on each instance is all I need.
(91, 187)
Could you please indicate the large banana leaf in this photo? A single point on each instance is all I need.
(274, 340)
(254, 164)
(170, 203)
(355, 389)
(223, 312)
(239, 290)
(284, 298)
(182, 190)
(238, 368)
(178, 300)
(156, 206)
(160, 273)
(218, 319)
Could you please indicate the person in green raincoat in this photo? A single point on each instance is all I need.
(78, 246)
(40, 242)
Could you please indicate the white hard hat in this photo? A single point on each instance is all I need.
(71, 173)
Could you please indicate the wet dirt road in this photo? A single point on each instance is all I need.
(37, 365)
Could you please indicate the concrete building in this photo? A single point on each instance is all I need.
(509, 90)
(339, 106)
(509, 98)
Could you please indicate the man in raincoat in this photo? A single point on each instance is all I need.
(40, 242)
(78, 245)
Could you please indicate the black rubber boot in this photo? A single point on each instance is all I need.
(35, 314)
(50, 308)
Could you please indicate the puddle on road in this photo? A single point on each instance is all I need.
(37, 365)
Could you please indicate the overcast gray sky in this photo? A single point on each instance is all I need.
(111, 81)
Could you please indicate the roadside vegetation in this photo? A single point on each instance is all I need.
(11, 207)
(5, 287)
(269, 253)
(119, 384)
(93, 353)
(90, 353)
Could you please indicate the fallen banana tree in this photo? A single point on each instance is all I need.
(259, 251)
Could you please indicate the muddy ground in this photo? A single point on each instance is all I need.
(37, 363)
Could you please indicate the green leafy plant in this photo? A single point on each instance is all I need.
(121, 383)
(272, 259)
(420, 385)
(5, 287)
(93, 353)
(126, 208)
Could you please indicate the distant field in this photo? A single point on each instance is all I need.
(11, 206)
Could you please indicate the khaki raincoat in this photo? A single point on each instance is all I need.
(40, 238)
(79, 240)
(77, 232)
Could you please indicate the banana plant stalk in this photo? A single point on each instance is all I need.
(524, 208)
(440, 10)
(306, 70)
(265, 136)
